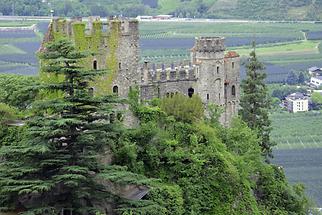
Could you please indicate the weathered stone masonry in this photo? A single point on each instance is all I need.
(211, 73)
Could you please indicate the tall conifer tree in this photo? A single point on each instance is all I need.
(255, 103)
(56, 167)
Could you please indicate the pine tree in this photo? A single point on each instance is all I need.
(255, 103)
(301, 78)
(292, 78)
(57, 165)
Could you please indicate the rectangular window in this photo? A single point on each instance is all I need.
(207, 96)
(233, 65)
(217, 69)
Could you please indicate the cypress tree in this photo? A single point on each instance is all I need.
(56, 167)
(255, 103)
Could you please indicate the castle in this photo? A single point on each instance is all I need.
(211, 73)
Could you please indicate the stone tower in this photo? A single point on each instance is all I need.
(208, 54)
(128, 58)
(217, 75)
(231, 85)
(212, 73)
(114, 45)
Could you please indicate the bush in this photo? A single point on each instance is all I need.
(183, 108)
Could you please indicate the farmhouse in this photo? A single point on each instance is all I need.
(297, 102)
(316, 81)
(314, 69)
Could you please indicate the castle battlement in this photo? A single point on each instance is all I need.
(168, 72)
(95, 26)
(209, 44)
(211, 73)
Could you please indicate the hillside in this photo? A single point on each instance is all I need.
(241, 9)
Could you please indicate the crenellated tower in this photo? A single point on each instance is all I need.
(212, 72)
(114, 45)
(208, 54)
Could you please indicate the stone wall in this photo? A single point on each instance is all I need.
(210, 73)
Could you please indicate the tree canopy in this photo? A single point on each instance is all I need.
(242, 9)
(255, 103)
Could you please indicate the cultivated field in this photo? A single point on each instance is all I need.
(303, 166)
(299, 148)
(297, 130)
(18, 46)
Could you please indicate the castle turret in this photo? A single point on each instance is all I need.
(208, 55)
(232, 85)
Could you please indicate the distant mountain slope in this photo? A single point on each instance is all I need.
(242, 9)
(246, 9)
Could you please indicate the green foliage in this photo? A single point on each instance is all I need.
(9, 135)
(183, 108)
(18, 91)
(281, 91)
(255, 103)
(317, 98)
(277, 196)
(169, 197)
(6, 112)
(203, 168)
(246, 9)
(57, 165)
(292, 78)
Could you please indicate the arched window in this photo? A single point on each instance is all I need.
(191, 91)
(112, 117)
(207, 96)
(233, 90)
(95, 64)
(116, 90)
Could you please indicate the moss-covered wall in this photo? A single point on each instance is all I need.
(102, 46)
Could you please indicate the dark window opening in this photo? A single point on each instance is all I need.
(191, 91)
(225, 90)
(116, 90)
(219, 96)
(217, 69)
(120, 65)
(233, 90)
(112, 117)
(168, 95)
(119, 117)
(95, 64)
(207, 96)
(233, 65)
(66, 212)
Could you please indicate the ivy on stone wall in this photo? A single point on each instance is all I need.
(91, 43)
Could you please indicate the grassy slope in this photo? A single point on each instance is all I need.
(244, 8)
(295, 48)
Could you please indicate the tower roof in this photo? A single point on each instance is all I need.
(231, 54)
